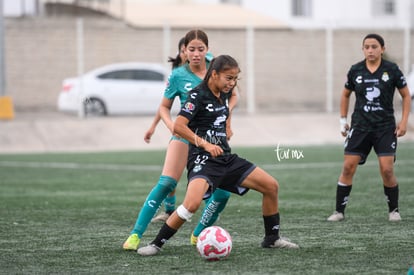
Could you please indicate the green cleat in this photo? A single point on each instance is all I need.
(132, 242)
(193, 239)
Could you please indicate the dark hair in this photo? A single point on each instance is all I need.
(376, 37)
(219, 64)
(176, 61)
(195, 34)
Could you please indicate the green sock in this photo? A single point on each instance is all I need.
(169, 204)
(211, 211)
(160, 191)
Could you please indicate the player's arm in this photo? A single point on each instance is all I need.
(343, 109)
(181, 129)
(151, 129)
(165, 112)
(232, 103)
(406, 106)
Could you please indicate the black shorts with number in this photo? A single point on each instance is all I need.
(360, 143)
(226, 172)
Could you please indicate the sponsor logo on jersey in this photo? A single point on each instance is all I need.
(372, 95)
(210, 108)
(187, 86)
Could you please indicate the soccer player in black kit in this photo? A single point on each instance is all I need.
(373, 124)
(211, 165)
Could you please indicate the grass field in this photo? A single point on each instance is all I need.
(70, 213)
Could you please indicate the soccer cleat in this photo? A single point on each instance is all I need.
(193, 239)
(270, 242)
(336, 217)
(394, 216)
(162, 217)
(132, 242)
(149, 250)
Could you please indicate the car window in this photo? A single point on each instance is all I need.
(148, 75)
(120, 74)
(133, 75)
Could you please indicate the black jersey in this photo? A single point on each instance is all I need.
(374, 94)
(207, 117)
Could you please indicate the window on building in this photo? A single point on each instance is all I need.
(383, 7)
(302, 8)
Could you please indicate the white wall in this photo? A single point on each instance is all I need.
(338, 13)
(17, 8)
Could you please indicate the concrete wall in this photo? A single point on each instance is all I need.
(289, 68)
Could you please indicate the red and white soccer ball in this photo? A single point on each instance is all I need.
(214, 243)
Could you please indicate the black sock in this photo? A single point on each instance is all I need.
(163, 235)
(271, 224)
(342, 195)
(391, 194)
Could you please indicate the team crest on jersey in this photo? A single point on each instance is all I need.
(385, 77)
(197, 168)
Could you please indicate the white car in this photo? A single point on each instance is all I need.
(115, 89)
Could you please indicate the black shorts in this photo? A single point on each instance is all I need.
(225, 172)
(360, 143)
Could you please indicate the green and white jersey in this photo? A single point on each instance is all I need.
(374, 94)
(182, 80)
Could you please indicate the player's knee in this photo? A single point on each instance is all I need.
(272, 188)
(387, 173)
(348, 170)
(221, 195)
(184, 213)
(168, 182)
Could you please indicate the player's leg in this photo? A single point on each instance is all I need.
(169, 205)
(192, 200)
(344, 186)
(385, 145)
(214, 205)
(391, 189)
(264, 183)
(357, 147)
(174, 165)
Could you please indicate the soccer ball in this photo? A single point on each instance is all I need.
(214, 243)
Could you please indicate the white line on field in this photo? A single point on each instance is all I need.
(73, 165)
(137, 167)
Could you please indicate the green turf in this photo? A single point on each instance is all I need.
(70, 213)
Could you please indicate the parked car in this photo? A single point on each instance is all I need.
(115, 89)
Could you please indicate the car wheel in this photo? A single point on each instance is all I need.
(94, 107)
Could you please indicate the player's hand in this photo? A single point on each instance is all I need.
(148, 135)
(344, 127)
(214, 150)
(229, 133)
(400, 130)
